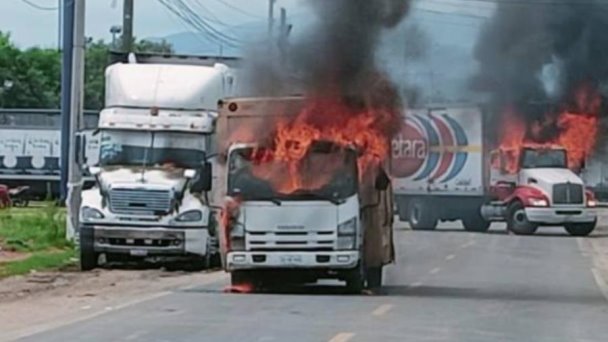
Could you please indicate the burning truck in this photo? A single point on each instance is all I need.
(447, 168)
(308, 196)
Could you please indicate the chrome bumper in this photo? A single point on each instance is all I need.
(561, 215)
(289, 260)
(150, 241)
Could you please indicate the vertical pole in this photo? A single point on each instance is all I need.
(283, 35)
(270, 18)
(127, 26)
(76, 108)
(66, 86)
(59, 24)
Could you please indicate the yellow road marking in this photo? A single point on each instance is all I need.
(342, 337)
(382, 309)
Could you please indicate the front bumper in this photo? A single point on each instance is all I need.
(561, 215)
(150, 241)
(337, 260)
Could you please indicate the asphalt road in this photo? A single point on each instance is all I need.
(447, 285)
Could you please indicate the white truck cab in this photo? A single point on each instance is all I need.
(154, 173)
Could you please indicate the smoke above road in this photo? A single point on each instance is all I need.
(540, 60)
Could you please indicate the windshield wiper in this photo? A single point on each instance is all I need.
(311, 195)
(265, 199)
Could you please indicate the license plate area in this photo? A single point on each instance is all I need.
(138, 252)
(291, 260)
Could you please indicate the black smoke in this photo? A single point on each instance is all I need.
(535, 56)
(337, 54)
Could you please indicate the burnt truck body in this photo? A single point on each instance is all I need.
(445, 170)
(341, 229)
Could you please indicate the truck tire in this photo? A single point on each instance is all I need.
(474, 222)
(581, 229)
(374, 277)
(243, 278)
(517, 221)
(356, 280)
(421, 216)
(88, 257)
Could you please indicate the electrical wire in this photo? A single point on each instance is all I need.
(185, 13)
(249, 14)
(39, 7)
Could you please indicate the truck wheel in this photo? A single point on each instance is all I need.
(517, 222)
(474, 222)
(242, 278)
(374, 277)
(88, 257)
(355, 281)
(581, 229)
(420, 216)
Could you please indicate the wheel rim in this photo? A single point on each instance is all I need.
(415, 218)
(520, 216)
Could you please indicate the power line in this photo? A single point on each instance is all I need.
(249, 14)
(39, 7)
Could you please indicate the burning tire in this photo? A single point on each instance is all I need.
(474, 222)
(517, 221)
(421, 216)
(88, 257)
(581, 229)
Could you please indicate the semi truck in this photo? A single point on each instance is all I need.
(340, 228)
(444, 170)
(157, 136)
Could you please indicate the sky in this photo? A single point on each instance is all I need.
(31, 26)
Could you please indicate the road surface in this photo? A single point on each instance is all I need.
(447, 285)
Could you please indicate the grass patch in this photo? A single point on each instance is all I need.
(33, 230)
(38, 261)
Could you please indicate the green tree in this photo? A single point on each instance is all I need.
(31, 78)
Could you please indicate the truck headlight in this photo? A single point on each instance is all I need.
(89, 214)
(190, 216)
(591, 203)
(348, 228)
(346, 243)
(538, 202)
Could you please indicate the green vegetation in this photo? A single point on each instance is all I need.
(39, 233)
(31, 78)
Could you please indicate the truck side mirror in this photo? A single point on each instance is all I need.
(382, 181)
(80, 144)
(204, 180)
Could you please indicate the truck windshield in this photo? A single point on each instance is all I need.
(320, 175)
(155, 149)
(544, 158)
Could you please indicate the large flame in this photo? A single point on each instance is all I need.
(367, 130)
(575, 129)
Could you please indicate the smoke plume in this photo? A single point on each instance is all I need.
(539, 56)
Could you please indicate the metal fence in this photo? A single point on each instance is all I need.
(41, 118)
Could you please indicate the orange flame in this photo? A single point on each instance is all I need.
(329, 120)
(576, 128)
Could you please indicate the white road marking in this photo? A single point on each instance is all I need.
(450, 257)
(468, 244)
(342, 337)
(600, 281)
(435, 270)
(382, 309)
(416, 284)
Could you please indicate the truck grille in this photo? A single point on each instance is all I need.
(290, 241)
(568, 193)
(140, 202)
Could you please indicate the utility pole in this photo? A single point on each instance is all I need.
(127, 26)
(74, 185)
(66, 95)
(271, 4)
(283, 35)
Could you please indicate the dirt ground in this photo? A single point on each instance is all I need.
(40, 301)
